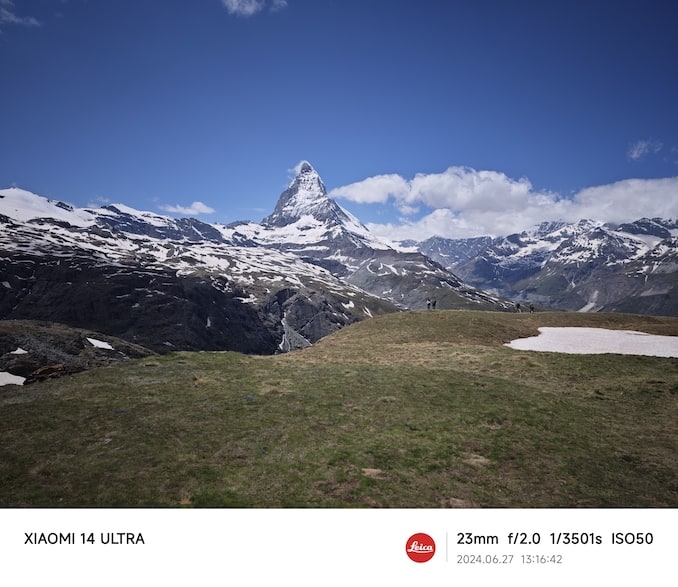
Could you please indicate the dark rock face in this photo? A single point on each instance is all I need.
(163, 311)
(306, 317)
(189, 229)
(42, 350)
(646, 226)
(150, 307)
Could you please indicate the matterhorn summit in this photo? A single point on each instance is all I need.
(305, 199)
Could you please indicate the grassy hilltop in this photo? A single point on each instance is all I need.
(417, 409)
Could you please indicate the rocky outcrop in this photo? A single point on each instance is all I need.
(38, 351)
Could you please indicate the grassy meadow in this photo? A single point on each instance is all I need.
(416, 409)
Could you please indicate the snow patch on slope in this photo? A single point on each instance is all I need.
(594, 341)
(9, 379)
(100, 344)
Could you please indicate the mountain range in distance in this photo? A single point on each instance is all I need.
(306, 270)
(584, 266)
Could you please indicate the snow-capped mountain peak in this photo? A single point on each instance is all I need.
(24, 206)
(306, 195)
(308, 180)
(305, 216)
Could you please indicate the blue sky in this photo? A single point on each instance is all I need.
(427, 116)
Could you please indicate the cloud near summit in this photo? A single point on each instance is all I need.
(464, 202)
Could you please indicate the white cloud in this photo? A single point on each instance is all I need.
(194, 209)
(377, 189)
(642, 148)
(9, 17)
(243, 7)
(464, 202)
(630, 199)
(278, 5)
(251, 7)
(457, 188)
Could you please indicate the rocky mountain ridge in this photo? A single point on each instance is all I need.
(308, 269)
(34, 351)
(585, 266)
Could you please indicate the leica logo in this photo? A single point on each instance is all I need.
(416, 547)
(420, 547)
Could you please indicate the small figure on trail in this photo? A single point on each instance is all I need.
(531, 308)
(518, 307)
(433, 303)
(428, 303)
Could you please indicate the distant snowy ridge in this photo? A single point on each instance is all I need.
(589, 265)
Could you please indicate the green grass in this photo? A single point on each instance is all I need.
(418, 409)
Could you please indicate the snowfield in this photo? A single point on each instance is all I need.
(9, 379)
(100, 344)
(594, 341)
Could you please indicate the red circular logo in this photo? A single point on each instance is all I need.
(420, 547)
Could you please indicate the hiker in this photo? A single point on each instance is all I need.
(518, 307)
(428, 303)
(433, 303)
(531, 308)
